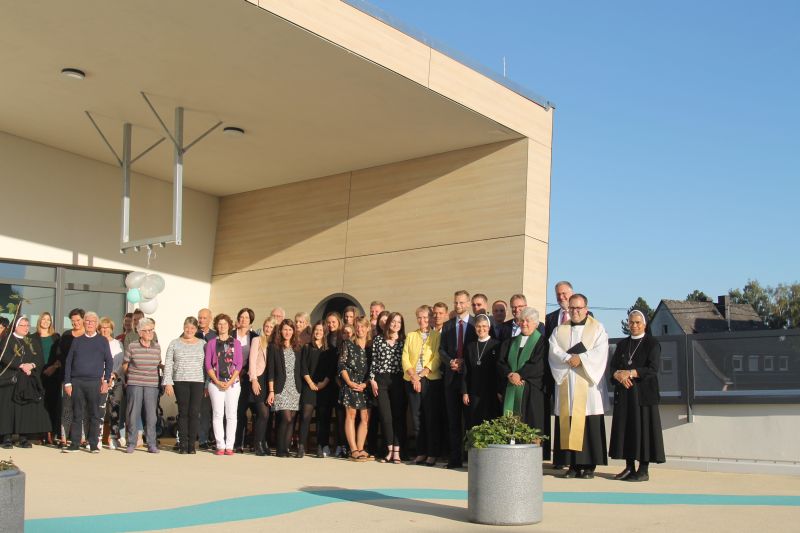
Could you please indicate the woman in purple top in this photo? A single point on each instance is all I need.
(223, 364)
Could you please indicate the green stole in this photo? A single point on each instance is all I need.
(517, 358)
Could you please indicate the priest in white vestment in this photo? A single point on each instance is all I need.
(578, 357)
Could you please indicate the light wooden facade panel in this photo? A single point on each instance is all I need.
(537, 210)
(465, 195)
(474, 90)
(295, 288)
(358, 32)
(295, 223)
(534, 283)
(405, 280)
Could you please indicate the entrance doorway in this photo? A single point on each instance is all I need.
(334, 302)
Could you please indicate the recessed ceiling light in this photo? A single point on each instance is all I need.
(232, 131)
(73, 73)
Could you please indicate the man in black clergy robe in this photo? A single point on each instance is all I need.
(456, 334)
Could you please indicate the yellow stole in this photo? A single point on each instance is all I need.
(572, 429)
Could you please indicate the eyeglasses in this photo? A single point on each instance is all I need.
(577, 308)
(145, 331)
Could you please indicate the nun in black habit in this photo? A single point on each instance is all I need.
(480, 386)
(636, 425)
(22, 409)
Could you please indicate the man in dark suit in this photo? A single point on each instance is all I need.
(480, 306)
(499, 309)
(456, 334)
(560, 315)
(511, 327)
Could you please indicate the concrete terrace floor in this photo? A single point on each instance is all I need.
(68, 492)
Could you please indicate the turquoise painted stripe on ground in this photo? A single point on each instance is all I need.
(267, 505)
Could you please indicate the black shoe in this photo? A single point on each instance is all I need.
(587, 474)
(558, 467)
(7, 445)
(239, 450)
(571, 473)
(25, 444)
(191, 451)
(260, 449)
(204, 446)
(182, 451)
(71, 448)
(636, 476)
(625, 474)
(453, 466)
(301, 451)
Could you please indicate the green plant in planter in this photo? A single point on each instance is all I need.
(7, 465)
(508, 429)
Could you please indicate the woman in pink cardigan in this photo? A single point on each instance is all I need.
(223, 364)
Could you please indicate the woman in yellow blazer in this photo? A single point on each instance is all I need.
(424, 386)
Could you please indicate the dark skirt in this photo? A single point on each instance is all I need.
(31, 418)
(262, 397)
(594, 450)
(308, 396)
(636, 430)
(6, 409)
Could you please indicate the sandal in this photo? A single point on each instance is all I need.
(365, 456)
(396, 457)
(355, 456)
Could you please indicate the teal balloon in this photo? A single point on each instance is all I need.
(134, 296)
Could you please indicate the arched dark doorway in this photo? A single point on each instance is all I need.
(334, 302)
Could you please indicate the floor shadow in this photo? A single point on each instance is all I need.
(388, 501)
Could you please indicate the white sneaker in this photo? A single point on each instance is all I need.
(113, 443)
(326, 451)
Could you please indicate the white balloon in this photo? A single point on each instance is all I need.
(148, 307)
(134, 280)
(148, 290)
(157, 281)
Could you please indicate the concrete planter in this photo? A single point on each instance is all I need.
(505, 484)
(12, 500)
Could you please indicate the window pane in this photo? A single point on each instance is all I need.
(94, 278)
(108, 304)
(41, 299)
(30, 272)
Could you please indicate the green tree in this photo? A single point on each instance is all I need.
(785, 306)
(697, 296)
(759, 297)
(640, 305)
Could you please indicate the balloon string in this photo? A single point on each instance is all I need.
(151, 255)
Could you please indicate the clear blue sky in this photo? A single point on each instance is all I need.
(676, 150)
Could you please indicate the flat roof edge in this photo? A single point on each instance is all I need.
(375, 12)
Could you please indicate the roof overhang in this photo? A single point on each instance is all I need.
(309, 106)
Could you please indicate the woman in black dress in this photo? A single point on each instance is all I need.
(49, 339)
(22, 409)
(318, 366)
(258, 385)
(636, 424)
(480, 386)
(354, 359)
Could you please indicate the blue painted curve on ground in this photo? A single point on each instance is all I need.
(267, 505)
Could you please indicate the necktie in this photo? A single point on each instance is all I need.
(460, 341)
(564, 317)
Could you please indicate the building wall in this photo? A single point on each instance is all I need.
(59, 207)
(664, 318)
(406, 233)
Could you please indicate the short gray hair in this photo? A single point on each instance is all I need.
(144, 321)
(91, 313)
(529, 313)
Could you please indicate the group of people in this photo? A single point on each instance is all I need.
(456, 369)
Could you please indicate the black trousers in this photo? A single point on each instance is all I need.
(189, 395)
(324, 408)
(85, 404)
(426, 408)
(392, 407)
(454, 404)
(245, 403)
(204, 429)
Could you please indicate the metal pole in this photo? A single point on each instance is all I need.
(126, 182)
(177, 195)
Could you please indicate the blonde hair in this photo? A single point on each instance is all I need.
(264, 340)
(106, 321)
